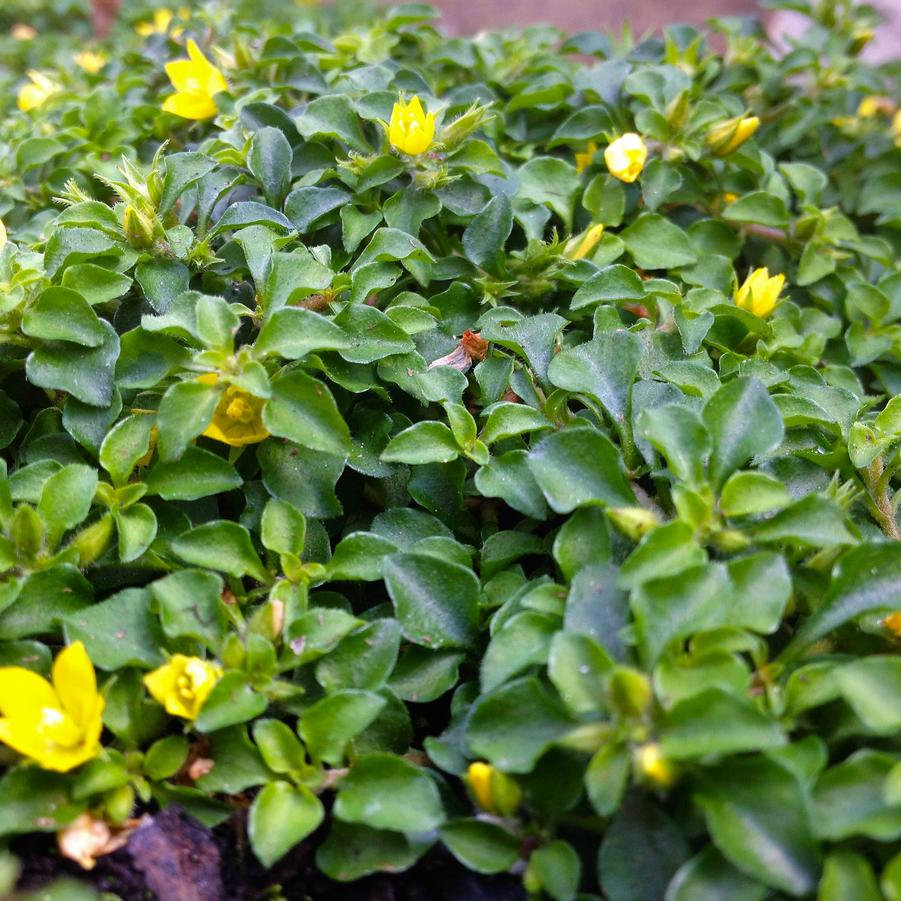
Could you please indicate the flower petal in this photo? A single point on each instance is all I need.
(75, 682)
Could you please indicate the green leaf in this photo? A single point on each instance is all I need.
(124, 445)
(84, 372)
(423, 442)
(293, 332)
(708, 876)
(333, 117)
(308, 204)
(190, 606)
(488, 231)
(303, 477)
(756, 812)
(557, 868)
(303, 410)
(327, 726)
(607, 778)
(498, 731)
(521, 642)
(547, 181)
(867, 580)
(680, 435)
(717, 722)
(657, 243)
(34, 800)
(579, 466)
(480, 846)
(510, 478)
(743, 423)
(849, 799)
(813, 521)
(118, 632)
(612, 284)
(137, 527)
(760, 208)
(847, 874)
(872, 686)
(353, 850)
(269, 159)
(372, 334)
(61, 314)
(281, 817)
(185, 411)
(197, 473)
(747, 493)
(231, 701)
(221, 545)
(604, 369)
(387, 792)
(641, 851)
(364, 659)
(67, 497)
(578, 667)
(437, 602)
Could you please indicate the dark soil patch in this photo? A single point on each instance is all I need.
(175, 858)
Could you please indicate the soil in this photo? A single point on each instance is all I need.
(176, 858)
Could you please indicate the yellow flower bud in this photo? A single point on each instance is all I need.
(138, 228)
(633, 522)
(183, 684)
(893, 623)
(728, 136)
(579, 247)
(3, 237)
(411, 130)
(625, 157)
(653, 766)
(56, 725)
(875, 105)
(759, 292)
(630, 692)
(494, 791)
(36, 93)
(585, 159)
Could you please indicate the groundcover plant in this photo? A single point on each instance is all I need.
(488, 444)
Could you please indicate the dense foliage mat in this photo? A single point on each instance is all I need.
(488, 443)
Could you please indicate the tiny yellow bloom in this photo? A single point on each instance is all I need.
(654, 767)
(874, 105)
(626, 156)
(183, 684)
(161, 22)
(3, 237)
(893, 623)
(493, 791)
(586, 157)
(56, 725)
(196, 81)
(730, 197)
(33, 95)
(238, 417)
(22, 32)
(728, 136)
(411, 130)
(579, 247)
(759, 292)
(90, 60)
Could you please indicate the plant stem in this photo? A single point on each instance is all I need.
(881, 507)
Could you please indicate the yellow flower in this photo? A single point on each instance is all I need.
(22, 32)
(579, 247)
(728, 136)
(759, 292)
(411, 130)
(874, 105)
(896, 128)
(2, 233)
(626, 156)
(183, 684)
(730, 197)
(162, 19)
(584, 159)
(58, 726)
(654, 767)
(36, 93)
(893, 623)
(494, 791)
(196, 81)
(90, 60)
(238, 417)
